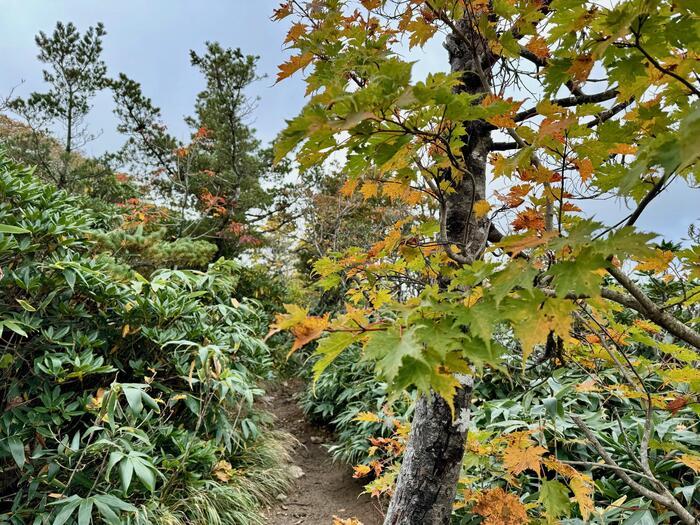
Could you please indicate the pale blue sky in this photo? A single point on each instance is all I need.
(149, 40)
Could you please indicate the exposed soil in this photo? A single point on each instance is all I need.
(325, 489)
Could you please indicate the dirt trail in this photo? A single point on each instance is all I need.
(325, 489)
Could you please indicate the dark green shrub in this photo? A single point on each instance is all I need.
(125, 399)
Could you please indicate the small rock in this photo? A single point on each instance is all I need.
(296, 471)
(284, 507)
(316, 440)
(341, 511)
(281, 497)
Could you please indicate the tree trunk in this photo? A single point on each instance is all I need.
(427, 482)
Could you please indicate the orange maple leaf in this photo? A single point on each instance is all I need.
(309, 329)
(581, 67)
(295, 32)
(499, 507)
(538, 46)
(293, 65)
(517, 459)
(584, 167)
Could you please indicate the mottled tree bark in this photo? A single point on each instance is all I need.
(427, 482)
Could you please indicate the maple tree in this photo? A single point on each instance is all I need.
(558, 103)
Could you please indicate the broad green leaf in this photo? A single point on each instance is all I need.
(17, 450)
(85, 512)
(7, 228)
(388, 349)
(554, 496)
(329, 348)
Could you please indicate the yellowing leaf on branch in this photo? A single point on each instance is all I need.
(360, 471)
(499, 507)
(309, 329)
(293, 65)
(657, 263)
(584, 167)
(581, 67)
(368, 417)
(295, 32)
(519, 457)
(623, 149)
(481, 207)
(538, 46)
(369, 189)
(348, 187)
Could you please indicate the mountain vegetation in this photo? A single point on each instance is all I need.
(426, 251)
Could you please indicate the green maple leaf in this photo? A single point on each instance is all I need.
(554, 496)
(331, 347)
(578, 276)
(389, 348)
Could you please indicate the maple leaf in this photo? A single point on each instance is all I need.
(369, 189)
(581, 67)
(499, 507)
(623, 149)
(582, 487)
(481, 207)
(329, 348)
(518, 458)
(295, 32)
(283, 11)
(348, 187)
(657, 263)
(371, 4)
(584, 167)
(529, 219)
(690, 461)
(294, 64)
(360, 471)
(389, 348)
(309, 329)
(538, 46)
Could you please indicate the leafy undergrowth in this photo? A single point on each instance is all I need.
(520, 437)
(126, 399)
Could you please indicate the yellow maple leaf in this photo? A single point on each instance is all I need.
(623, 149)
(223, 471)
(348, 187)
(657, 263)
(368, 416)
(295, 32)
(369, 189)
(309, 329)
(517, 459)
(581, 67)
(481, 207)
(584, 167)
(360, 471)
(690, 461)
(582, 487)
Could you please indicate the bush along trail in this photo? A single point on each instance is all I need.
(126, 399)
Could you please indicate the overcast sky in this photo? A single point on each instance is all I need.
(149, 40)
